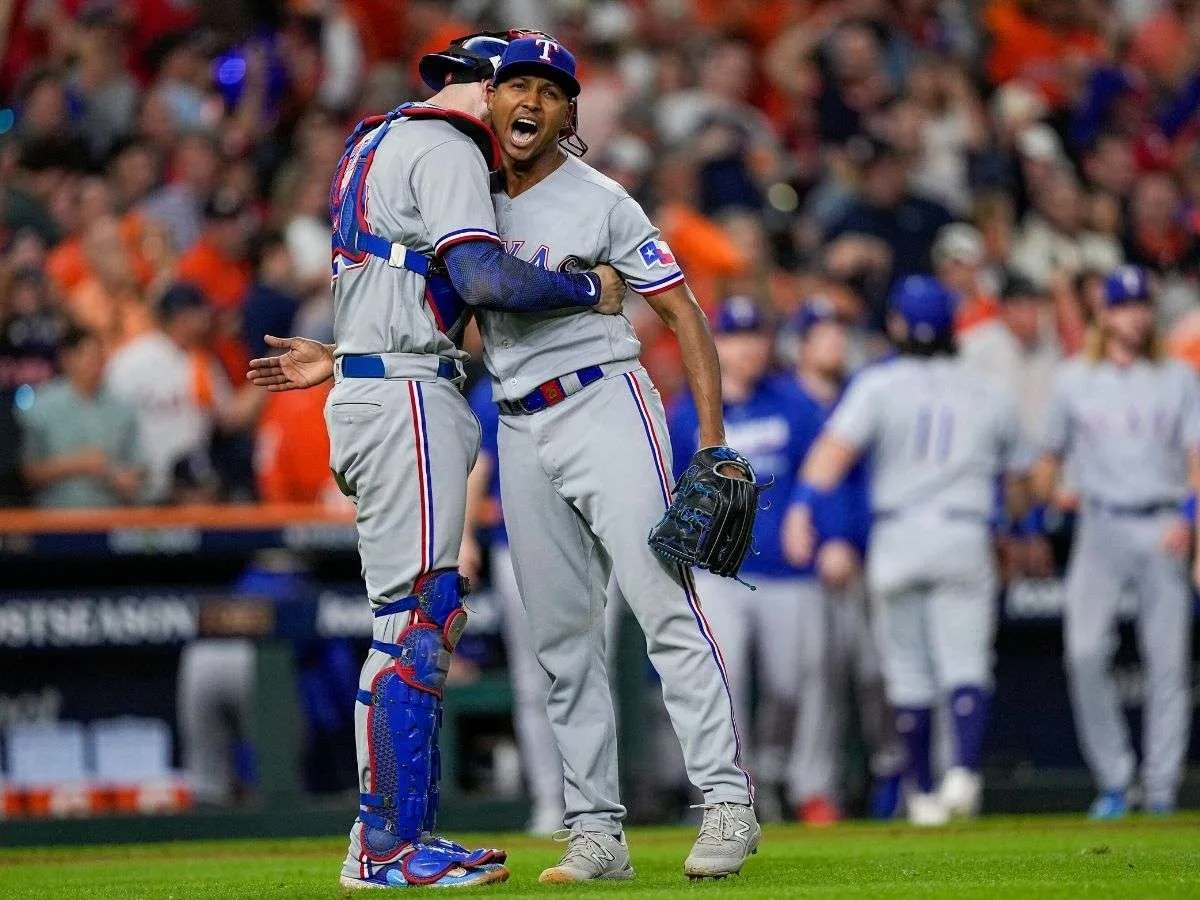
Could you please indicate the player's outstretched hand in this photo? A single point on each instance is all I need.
(302, 364)
(612, 290)
(798, 536)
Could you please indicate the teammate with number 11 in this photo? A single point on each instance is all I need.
(939, 435)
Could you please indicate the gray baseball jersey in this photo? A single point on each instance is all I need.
(939, 434)
(573, 219)
(582, 483)
(402, 446)
(1127, 432)
(426, 188)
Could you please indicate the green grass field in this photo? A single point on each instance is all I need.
(1027, 858)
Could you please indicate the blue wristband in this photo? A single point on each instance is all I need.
(1187, 507)
(1034, 522)
(804, 494)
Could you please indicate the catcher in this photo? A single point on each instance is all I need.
(585, 475)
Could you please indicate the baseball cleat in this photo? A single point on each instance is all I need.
(961, 793)
(590, 856)
(456, 877)
(926, 810)
(1160, 808)
(729, 833)
(1108, 806)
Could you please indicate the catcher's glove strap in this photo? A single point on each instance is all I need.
(551, 392)
(415, 366)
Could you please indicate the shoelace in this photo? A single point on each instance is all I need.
(578, 844)
(717, 825)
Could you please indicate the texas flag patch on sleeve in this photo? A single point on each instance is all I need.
(656, 253)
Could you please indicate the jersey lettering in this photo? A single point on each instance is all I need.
(541, 259)
(513, 248)
(934, 432)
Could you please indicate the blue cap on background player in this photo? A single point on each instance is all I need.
(815, 310)
(1127, 284)
(926, 307)
(542, 56)
(739, 314)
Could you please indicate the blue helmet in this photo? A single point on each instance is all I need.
(926, 307)
(473, 57)
(1127, 284)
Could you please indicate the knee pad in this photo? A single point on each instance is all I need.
(404, 708)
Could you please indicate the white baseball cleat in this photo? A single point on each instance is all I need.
(961, 793)
(926, 810)
(590, 856)
(729, 833)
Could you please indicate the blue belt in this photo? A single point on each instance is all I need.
(371, 366)
(551, 392)
(1144, 511)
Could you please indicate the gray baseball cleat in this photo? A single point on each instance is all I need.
(591, 855)
(728, 834)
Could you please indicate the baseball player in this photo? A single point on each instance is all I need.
(415, 249)
(585, 472)
(1129, 422)
(938, 436)
(783, 620)
(822, 372)
(485, 522)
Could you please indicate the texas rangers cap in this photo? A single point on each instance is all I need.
(926, 307)
(539, 55)
(1127, 284)
(815, 310)
(739, 314)
(473, 57)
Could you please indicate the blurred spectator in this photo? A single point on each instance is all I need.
(291, 452)
(1046, 42)
(180, 395)
(1158, 240)
(1019, 347)
(107, 297)
(1053, 236)
(886, 211)
(31, 329)
(192, 178)
(272, 303)
(219, 265)
(80, 445)
(1164, 44)
(102, 91)
(958, 257)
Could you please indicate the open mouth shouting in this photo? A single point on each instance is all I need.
(523, 132)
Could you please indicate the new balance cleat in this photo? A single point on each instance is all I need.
(729, 833)
(590, 856)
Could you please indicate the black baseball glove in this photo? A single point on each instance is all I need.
(711, 516)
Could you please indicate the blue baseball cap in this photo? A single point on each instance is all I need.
(539, 55)
(815, 310)
(1127, 284)
(926, 307)
(739, 314)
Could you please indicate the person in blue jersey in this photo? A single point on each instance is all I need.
(778, 622)
(540, 759)
(822, 372)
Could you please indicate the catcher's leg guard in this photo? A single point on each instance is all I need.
(403, 714)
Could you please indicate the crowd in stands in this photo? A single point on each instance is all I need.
(164, 171)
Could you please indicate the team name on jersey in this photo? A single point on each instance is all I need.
(764, 441)
(540, 258)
